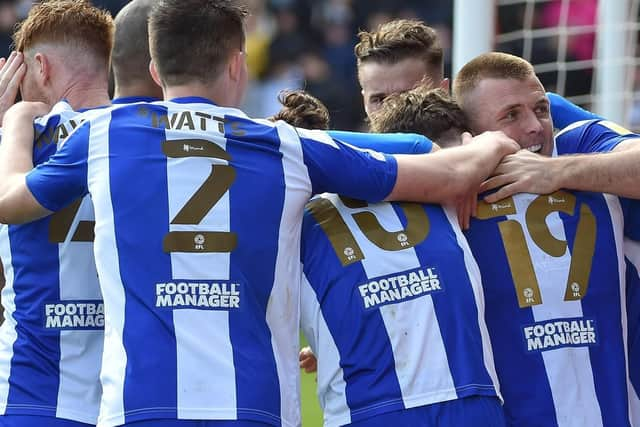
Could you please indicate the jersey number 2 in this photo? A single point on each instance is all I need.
(202, 201)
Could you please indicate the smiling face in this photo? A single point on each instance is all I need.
(517, 107)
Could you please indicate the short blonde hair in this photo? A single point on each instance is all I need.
(492, 65)
(67, 21)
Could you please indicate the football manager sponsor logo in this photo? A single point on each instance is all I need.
(222, 295)
(558, 333)
(400, 287)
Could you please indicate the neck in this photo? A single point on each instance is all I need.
(213, 92)
(89, 93)
(150, 90)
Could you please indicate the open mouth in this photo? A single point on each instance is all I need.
(534, 148)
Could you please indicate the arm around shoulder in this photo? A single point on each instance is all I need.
(448, 176)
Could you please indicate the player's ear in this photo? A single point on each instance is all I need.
(235, 65)
(42, 67)
(154, 73)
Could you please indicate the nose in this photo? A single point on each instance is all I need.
(533, 124)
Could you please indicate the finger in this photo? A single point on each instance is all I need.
(466, 138)
(15, 61)
(304, 364)
(14, 84)
(495, 182)
(305, 352)
(309, 365)
(8, 61)
(474, 207)
(465, 219)
(8, 97)
(503, 193)
(3, 61)
(460, 215)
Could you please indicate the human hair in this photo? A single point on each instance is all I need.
(397, 40)
(491, 65)
(130, 55)
(191, 40)
(430, 112)
(74, 23)
(301, 109)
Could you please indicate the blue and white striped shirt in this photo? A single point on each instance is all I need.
(198, 217)
(51, 340)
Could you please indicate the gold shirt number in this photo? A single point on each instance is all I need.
(202, 201)
(344, 242)
(518, 255)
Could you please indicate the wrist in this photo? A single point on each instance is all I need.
(558, 169)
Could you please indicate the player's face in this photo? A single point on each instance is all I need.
(519, 108)
(379, 80)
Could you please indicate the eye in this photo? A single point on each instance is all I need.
(377, 99)
(511, 115)
(542, 110)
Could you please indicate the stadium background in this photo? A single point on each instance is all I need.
(309, 44)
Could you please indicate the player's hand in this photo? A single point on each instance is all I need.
(308, 360)
(498, 140)
(12, 72)
(522, 172)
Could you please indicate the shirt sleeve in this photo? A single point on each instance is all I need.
(392, 143)
(594, 136)
(63, 178)
(564, 112)
(336, 167)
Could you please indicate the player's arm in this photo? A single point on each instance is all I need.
(392, 143)
(17, 204)
(27, 194)
(611, 164)
(442, 177)
(448, 176)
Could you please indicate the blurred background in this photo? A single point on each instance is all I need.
(309, 44)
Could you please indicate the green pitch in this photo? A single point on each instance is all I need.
(311, 412)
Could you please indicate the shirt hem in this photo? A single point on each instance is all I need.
(48, 411)
(409, 402)
(222, 414)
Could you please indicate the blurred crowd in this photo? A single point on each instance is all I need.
(309, 44)
(298, 44)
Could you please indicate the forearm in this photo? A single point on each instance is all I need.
(617, 172)
(447, 175)
(16, 152)
(17, 204)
